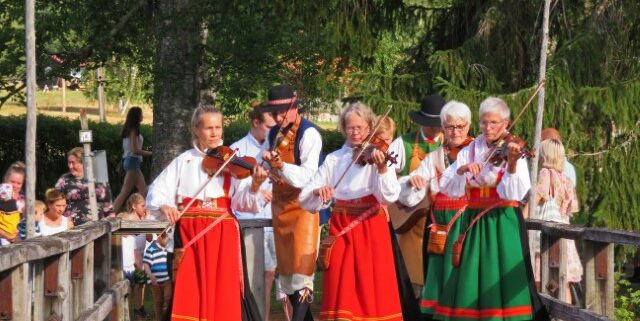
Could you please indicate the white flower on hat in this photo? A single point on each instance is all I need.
(6, 192)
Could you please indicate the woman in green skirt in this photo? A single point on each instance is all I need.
(494, 280)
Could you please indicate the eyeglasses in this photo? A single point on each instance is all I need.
(452, 128)
(356, 129)
(491, 124)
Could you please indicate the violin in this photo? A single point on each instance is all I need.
(286, 136)
(366, 157)
(501, 152)
(238, 167)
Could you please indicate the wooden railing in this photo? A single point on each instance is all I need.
(77, 275)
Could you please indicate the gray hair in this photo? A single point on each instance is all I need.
(457, 110)
(495, 105)
(361, 110)
(196, 117)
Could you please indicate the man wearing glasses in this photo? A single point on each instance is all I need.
(412, 148)
(292, 150)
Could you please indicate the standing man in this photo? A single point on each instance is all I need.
(250, 145)
(293, 152)
(412, 148)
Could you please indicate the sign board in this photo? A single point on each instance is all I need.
(100, 168)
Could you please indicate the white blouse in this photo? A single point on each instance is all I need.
(184, 176)
(359, 181)
(512, 187)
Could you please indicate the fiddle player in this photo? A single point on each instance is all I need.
(446, 211)
(360, 282)
(218, 252)
(412, 148)
(292, 151)
(493, 279)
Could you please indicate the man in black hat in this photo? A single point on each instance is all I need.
(412, 148)
(293, 153)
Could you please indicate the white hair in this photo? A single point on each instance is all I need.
(495, 105)
(455, 110)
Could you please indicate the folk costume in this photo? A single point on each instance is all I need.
(296, 230)
(494, 280)
(360, 282)
(412, 149)
(445, 211)
(211, 282)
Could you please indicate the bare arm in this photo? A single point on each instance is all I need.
(135, 145)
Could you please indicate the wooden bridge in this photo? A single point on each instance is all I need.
(77, 275)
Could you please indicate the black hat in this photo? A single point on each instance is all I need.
(280, 98)
(429, 113)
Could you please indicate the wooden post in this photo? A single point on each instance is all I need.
(599, 277)
(549, 264)
(21, 292)
(59, 303)
(30, 140)
(254, 247)
(539, 116)
(38, 290)
(88, 169)
(100, 80)
(64, 96)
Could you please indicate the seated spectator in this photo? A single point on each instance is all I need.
(155, 266)
(53, 220)
(40, 208)
(76, 191)
(9, 215)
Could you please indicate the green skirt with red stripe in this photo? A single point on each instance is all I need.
(438, 267)
(494, 279)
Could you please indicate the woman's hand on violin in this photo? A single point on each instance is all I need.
(325, 193)
(380, 160)
(171, 213)
(515, 152)
(417, 182)
(258, 176)
(473, 168)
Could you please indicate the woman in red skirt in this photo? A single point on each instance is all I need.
(210, 282)
(360, 282)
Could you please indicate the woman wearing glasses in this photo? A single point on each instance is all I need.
(360, 281)
(494, 278)
(456, 120)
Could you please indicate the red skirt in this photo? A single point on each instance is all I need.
(209, 279)
(360, 283)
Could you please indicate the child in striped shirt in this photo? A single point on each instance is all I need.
(155, 265)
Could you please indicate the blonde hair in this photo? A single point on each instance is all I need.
(52, 195)
(17, 167)
(196, 117)
(552, 154)
(359, 109)
(386, 125)
(76, 152)
(134, 199)
(40, 206)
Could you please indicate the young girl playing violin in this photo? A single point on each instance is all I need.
(492, 278)
(360, 281)
(206, 257)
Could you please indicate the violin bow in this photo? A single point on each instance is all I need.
(364, 144)
(193, 199)
(524, 107)
(273, 147)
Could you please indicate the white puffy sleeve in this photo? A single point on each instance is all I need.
(310, 148)
(398, 146)
(515, 186)
(387, 189)
(163, 190)
(322, 177)
(243, 200)
(411, 196)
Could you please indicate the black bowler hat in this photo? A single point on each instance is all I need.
(429, 113)
(280, 98)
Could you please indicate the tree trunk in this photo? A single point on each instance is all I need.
(176, 91)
